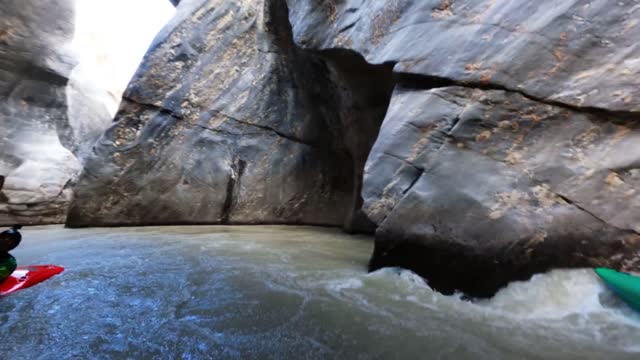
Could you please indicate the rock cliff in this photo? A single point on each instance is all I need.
(508, 147)
(58, 93)
(227, 121)
(38, 142)
(506, 132)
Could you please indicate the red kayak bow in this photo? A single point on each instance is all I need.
(27, 276)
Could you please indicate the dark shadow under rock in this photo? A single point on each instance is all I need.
(362, 92)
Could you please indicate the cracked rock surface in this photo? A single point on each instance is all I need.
(226, 121)
(509, 143)
(579, 52)
(480, 187)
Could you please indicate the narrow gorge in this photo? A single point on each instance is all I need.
(320, 179)
(480, 142)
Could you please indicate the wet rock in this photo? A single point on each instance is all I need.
(521, 157)
(474, 188)
(226, 121)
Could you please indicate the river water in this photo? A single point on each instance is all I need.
(285, 293)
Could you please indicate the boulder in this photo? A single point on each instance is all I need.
(474, 188)
(509, 145)
(227, 122)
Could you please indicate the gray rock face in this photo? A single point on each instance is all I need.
(50, 113)
(510, 145)
(476, 188)
(88, 112)
(37, 141)
(578, 52)
(227, 121)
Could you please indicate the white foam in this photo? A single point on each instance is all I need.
(554, 295)
(342, 284)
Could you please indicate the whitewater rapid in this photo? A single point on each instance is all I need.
(286, 292)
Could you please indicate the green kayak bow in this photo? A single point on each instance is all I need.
(626, 286)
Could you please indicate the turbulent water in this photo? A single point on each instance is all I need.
(285, 293)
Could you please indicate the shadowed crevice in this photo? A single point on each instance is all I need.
(425, 82)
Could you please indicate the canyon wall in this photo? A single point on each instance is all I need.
(226, 121)
(63, 67)
(511, 142)
(38, 144)
(500, 137)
